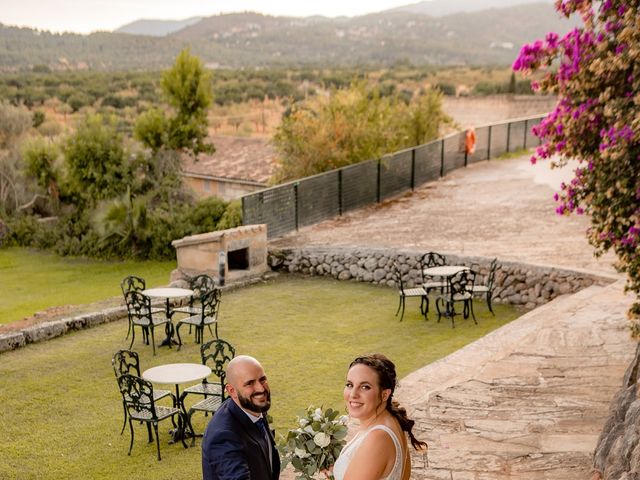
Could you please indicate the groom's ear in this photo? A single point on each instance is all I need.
(230, 390)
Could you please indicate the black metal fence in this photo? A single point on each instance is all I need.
(292, 205)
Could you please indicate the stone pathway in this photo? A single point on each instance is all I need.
(500, 208)
(527, 401)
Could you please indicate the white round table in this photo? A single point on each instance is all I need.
(444, 271)
(177, 373)
(167, 293)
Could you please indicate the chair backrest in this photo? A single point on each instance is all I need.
(462, 282)
(138, 305)
(492, 273)
(210, 302)
(433, 259)
(217, 354)
(201, 283)
(397, 276)
(126, 362)
(137, 394)
(132, 283)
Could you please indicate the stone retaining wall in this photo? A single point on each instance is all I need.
(515, 283)
(55, 328)
(617, 454)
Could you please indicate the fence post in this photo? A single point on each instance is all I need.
(378, 193)
(489, 145)
(524, 141)
(295, 195)
(508, 135)
(442, 157)
(413, 169)
(244, 212)
(340, 192)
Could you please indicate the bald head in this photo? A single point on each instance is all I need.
(239, 365)
(247, 384)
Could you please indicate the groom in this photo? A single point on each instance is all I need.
(237, 444)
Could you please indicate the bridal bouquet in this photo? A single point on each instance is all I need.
(314, 446)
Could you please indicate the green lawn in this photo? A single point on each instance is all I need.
(61, 413)
(31, 281)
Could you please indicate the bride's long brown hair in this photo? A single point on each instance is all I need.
(388, 380)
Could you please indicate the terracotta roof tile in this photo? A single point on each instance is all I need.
(238, 158)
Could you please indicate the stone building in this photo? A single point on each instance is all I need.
(239, 165)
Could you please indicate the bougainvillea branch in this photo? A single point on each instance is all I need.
(595, 71)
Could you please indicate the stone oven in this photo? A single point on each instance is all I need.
(243, 249)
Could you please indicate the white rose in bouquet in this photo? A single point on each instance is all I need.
(313, 447)
(317, 415)
(299, 452)
(321, 439)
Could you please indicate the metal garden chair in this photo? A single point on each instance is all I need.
(404, 293)
(128, 362)
(142, 315)
(429, 260)
(133, 283)
(486, 289)
(216, 354)
(138, 397)
(206, 316)
(200, 284)
(459, 288)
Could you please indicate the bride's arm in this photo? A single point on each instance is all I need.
(374, 458)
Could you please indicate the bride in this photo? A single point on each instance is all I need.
(379, 450)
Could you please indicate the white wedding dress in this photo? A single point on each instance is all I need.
(341, 465)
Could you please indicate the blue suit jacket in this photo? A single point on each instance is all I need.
(231, 448)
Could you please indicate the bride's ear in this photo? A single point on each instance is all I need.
(386, 393)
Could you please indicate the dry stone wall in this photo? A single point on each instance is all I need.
(515, 283)
(55, 328)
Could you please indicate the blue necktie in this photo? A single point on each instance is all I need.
(262, 426)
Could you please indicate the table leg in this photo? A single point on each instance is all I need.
(184, 430)
(169, 330)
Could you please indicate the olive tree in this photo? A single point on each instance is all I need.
(96, 160)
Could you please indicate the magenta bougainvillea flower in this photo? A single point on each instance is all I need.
(595, 70)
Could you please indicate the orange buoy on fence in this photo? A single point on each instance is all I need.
(470, 141)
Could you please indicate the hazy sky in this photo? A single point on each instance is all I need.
(84, 16)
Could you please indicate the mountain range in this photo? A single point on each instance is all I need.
(490, 36)
(434, 8)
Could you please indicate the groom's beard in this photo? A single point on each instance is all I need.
(251, 405)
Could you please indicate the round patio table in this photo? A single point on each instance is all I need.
(167, 293)
(444, 270)
(176, 374)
